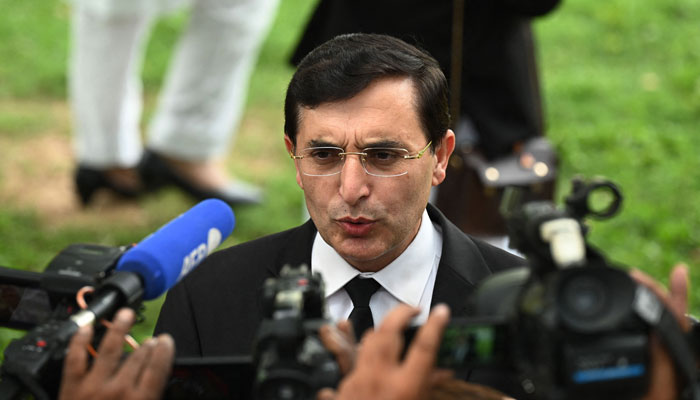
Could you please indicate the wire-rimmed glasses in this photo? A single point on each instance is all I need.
(384, 162)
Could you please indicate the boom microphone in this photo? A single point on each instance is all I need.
(170, 253)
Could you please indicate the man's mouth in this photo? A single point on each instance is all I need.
(356, 226)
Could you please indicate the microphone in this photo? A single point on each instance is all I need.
(174, 250)
(159, 261)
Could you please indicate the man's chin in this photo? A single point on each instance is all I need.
(362, 258)
(354, 255)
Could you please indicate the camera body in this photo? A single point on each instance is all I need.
(569, 324)
(574, 334)
(291, 362)
(578, 331)
(29, 298)
(43, 303)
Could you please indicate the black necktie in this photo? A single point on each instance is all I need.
(360, 291)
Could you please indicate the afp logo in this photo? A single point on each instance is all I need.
(200, 252)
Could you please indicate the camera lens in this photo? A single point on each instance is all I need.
(585, 297)
(590, 299)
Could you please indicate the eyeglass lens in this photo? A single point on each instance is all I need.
(323, 161)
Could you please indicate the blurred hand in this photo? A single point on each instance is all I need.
(340, 341)
(663, 375)
(142, 375)
(379, 372)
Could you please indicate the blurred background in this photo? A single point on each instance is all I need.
(621, 88)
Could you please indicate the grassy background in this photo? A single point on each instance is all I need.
(621, 83)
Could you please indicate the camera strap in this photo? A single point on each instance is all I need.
(652, 310)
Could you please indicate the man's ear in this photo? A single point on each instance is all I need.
(443, 152)
(289, 144)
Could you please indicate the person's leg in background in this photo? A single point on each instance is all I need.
(105, 95)
(204, 97)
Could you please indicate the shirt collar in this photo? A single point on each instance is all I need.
(404, 278)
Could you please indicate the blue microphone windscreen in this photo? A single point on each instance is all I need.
(168, 254)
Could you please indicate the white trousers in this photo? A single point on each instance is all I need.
(205, 89)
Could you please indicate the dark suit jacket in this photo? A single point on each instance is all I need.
(499, 84)
(217, 309)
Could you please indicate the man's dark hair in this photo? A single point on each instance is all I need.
(342, 67)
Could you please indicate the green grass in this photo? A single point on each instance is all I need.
(621, 83)
(34, 48)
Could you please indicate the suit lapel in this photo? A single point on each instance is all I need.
(296, 249)
(461, 266)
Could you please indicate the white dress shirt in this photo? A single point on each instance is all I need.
(408, 279)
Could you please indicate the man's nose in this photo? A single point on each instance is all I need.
(354, 182)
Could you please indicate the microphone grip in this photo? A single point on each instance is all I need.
(121, 289)
(105, 304)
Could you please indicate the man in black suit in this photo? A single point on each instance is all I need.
(366, 122)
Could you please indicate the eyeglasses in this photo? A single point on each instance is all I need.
(376, 161)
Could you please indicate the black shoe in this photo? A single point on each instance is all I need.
(89, 180)
(156, 173)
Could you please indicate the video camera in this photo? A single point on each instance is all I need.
(569, 325)
(44, 303)
(291, 362)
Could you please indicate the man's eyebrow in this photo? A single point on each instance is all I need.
(385, 144)
(320, 143)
